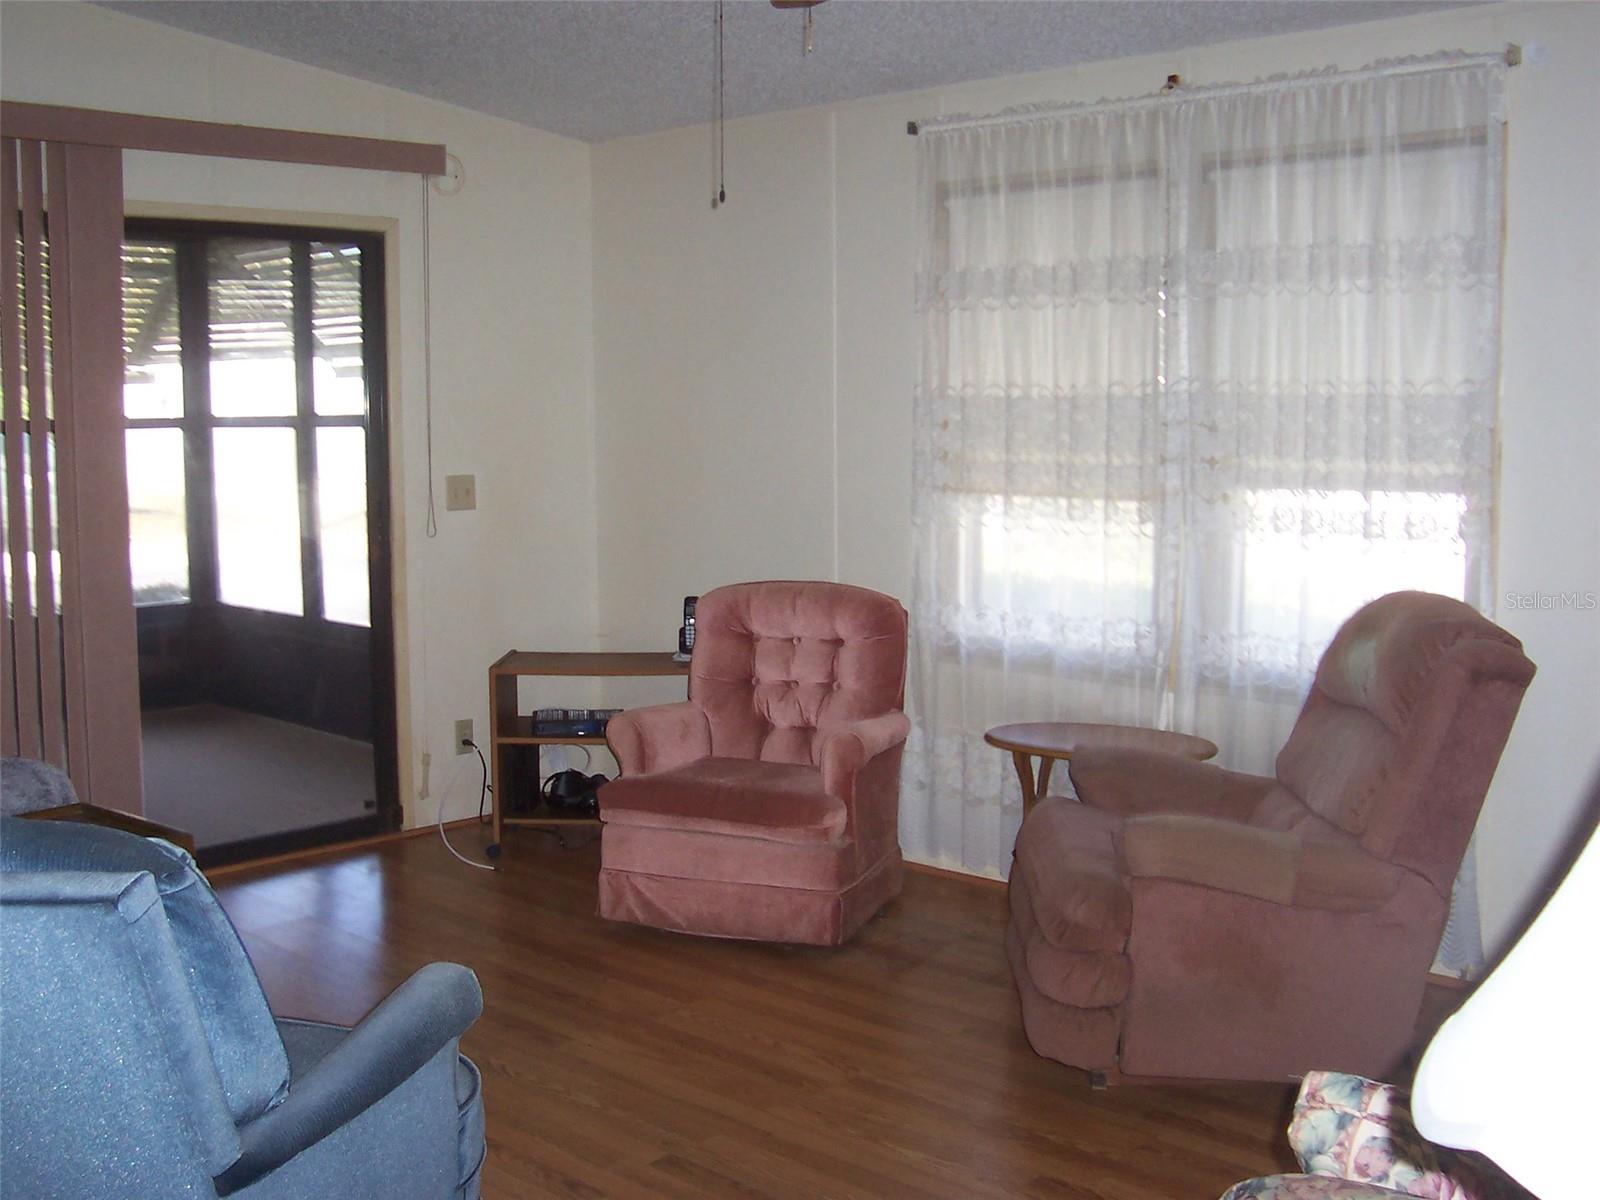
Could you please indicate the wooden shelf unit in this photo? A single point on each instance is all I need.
(510, 730)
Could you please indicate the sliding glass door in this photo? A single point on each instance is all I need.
(260, 546)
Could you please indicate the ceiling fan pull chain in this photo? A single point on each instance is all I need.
(722, 127)
(807, 44)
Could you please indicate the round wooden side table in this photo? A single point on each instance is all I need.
(1049, 741)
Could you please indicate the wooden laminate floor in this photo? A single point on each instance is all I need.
(623, 1062)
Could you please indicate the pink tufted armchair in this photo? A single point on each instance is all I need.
(1178, 919)
(766, 806)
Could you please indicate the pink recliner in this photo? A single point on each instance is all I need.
(1183, 920)
(765, 806)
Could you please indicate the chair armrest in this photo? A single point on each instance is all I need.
(417, 1020)
(114, 818)
(1307, 1187)
(1349, 1128)
(658, 737)
(850, 746)
(1264, 863)
(1130, 782)
(1332, 1103)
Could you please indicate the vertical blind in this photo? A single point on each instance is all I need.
(68, 667)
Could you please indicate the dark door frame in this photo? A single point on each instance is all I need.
(190, 236)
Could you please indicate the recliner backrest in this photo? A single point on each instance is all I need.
(1404, 725)
(240, 1031)
(778, 664)
(109, 1085)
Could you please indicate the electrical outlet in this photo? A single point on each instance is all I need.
(464, 735)
(460, 493)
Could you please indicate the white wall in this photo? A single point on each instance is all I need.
(512, 333)
(738, 388)
(754, 365)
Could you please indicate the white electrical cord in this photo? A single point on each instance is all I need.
(444, 792)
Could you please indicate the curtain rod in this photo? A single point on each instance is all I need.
(1511, 56)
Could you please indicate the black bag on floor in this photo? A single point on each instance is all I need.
(573, 794)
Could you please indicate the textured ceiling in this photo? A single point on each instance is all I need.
(597, 70)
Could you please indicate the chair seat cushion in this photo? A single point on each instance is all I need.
(1071, 865)
(780, 802)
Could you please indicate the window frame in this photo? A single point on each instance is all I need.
(191, 239)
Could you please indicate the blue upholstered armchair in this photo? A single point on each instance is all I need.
(139, 1060)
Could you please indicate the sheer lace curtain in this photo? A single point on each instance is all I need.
(1200, 374)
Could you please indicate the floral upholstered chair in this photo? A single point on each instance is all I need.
(1355, 1140)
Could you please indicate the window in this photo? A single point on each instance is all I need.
(1050, 434)
(248, 398)
(1203, 398)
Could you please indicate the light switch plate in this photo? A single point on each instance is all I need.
(460, 493)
